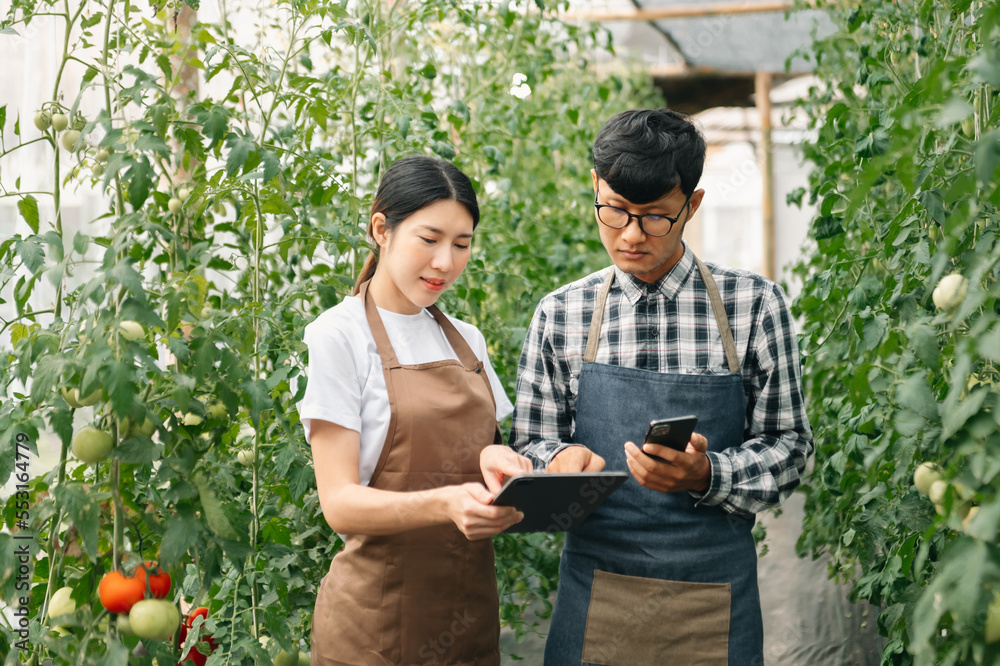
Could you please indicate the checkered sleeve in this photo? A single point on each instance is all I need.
(542, 424)
(769, 465)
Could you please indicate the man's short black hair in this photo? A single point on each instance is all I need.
(644, 154)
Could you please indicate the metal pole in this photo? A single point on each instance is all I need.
(684, 11)
(762, 89)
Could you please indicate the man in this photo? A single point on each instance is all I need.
(664, 572)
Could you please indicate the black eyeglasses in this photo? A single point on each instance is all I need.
(655, 225)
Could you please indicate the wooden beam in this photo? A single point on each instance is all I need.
(684, 11)
(762, 95)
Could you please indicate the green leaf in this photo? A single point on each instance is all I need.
(80, 243)
(987, 156)
(914, 393)
(925, 345)
(428, 71)
(934, 203)
(121, 384)
(875, 329)
(215, 123)
(140, 182)
(403, 125)
(238, 153)
(827, 227)
(953, 418)
(17, 333)
(181, 535)
(259, 397)
(271, 164)
(117, 655)
(83, 510)
(138, 451)
(31, 253)
(28, 207)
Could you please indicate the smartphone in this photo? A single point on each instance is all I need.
(674, 433)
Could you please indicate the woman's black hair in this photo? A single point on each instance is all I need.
(644, 154)
(412, 183)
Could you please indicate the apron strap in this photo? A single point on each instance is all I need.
(455, 339)
(594, 336)
(382, 342)
(718, 309)
(720, 316)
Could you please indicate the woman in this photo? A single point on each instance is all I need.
(400, 411)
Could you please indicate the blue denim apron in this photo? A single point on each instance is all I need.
(650, 578)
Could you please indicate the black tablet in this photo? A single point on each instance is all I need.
(556, 502)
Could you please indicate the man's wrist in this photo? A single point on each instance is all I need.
(705, 476)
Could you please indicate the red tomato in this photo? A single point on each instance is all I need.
(194, 656)
(118, 594)
(159, 582)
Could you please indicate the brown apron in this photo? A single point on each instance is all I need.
(426, 596)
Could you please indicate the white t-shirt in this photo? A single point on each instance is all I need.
(346, 382)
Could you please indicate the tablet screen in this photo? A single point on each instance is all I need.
(556, 502)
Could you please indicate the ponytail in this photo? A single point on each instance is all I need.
(367, 271)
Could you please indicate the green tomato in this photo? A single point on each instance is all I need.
(91, 445)
(43, 120)
(245, 458)
(191, 419)
(154, 619)
(216, 410)
(925, 475)
(969, 518)
(183, 193)
(146, 429)
(950, 292)
(174, 205)
(88, 400)
(285, 659)
(303, 659)
(62, 603)
(97, 169)
(59, 121)
(69, 139)
(969, 127)
(131, 330)
(936, 492)
(79, 121)
(123, 625)
(102, 154)
(70, 396)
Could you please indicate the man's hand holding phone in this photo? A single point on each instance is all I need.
(672, 459)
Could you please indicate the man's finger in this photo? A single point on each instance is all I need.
(595, 464)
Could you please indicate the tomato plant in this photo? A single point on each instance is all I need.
(235, 164)
(900, 311)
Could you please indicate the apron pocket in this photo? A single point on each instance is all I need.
(635, 621)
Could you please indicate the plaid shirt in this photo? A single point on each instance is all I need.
(669, 327)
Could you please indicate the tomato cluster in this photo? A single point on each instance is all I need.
(194, 656)
(152, 617)
(119, 592)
